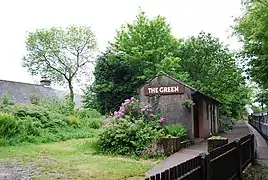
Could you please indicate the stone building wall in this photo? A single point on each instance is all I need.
(170, 105)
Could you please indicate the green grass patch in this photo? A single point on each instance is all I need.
(74, 159)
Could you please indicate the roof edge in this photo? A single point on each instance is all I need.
(32, 84)
(179, 81)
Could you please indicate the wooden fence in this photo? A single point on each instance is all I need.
(260, 122)
(224, 163)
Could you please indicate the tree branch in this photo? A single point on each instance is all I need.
(55, 69)
(60, 59)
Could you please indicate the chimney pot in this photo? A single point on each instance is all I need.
(45, 82)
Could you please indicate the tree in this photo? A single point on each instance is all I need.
(148, 45)
(262, 97)
(140, 51)
(212, 68)
(252, 29)
(62, 55)
(114, 82)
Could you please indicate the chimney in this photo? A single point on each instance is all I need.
(45, 82)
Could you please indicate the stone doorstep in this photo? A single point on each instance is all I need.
(198, 140)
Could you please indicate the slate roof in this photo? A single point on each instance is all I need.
(20, 93)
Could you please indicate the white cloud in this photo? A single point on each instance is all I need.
(187, 17)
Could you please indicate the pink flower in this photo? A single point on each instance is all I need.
(120, 114)
(127, 101)
(115, 113)
(161, 119)
(152, 115)
(122, 108)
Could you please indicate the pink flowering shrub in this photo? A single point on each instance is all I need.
(134, 109)
(134, 129)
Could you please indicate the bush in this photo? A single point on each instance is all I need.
(133, 129)
(91, 117)
(59, 106)
(88, 113)
(226, 123)
(73, 121)
(5, 100)
(127, 137)
(175, 130)
(94, 123)
(37, 124)
(8, 125)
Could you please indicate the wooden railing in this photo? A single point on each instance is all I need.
(224, 163)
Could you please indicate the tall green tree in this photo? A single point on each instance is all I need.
(252, 29)
(212, 68)
(262, 97)
(115, 80)
(61, 54)
(140, 51)
(149, 46)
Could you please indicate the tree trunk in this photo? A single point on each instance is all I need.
(71, 93)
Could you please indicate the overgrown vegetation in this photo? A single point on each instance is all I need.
(50, 121)
(133, 129)
(146, 47)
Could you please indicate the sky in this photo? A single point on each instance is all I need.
(187, 18)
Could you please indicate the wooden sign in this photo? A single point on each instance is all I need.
(164, 90)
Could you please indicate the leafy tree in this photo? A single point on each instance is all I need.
(114, 81)
(262, 97)
(60, 54)
(257, 109)
(252, 29)
(212, 68)
(149, 47)
(140, 51)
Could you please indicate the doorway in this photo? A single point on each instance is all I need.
(196, 118)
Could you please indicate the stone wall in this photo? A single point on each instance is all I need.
(170, 105)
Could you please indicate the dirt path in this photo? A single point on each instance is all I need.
(15, 171)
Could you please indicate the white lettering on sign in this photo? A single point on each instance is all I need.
(176, 89)
(172, 89)
(153, 90)
(163, 90)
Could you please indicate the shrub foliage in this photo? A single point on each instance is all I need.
(50, 121)
(133, 129)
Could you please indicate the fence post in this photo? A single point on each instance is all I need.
(253, 157)
(205, 164)
(238, 150)
(259, 123)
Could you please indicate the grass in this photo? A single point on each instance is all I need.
(74, 159)
(256, 172)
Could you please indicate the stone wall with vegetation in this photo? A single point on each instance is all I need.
(170, 105)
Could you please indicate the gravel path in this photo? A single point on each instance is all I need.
(15, 171)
